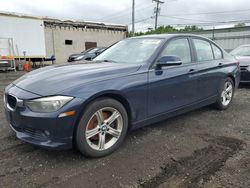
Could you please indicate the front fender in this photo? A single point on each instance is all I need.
(132, 89)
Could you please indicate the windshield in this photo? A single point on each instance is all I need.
(134, 51)
(241, 51)
(101, 50)
(91, 50)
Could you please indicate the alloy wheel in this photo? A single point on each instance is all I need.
(104, 128)
(227, 93)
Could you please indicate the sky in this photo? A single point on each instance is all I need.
(206, 13)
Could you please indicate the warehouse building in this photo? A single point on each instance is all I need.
(228, 38)
(30, 37)
(67, 37)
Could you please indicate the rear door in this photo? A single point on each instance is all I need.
(176, 86)
(209, 62)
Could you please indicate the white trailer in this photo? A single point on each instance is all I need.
(27, 34)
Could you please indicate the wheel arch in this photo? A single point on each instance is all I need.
(113, 95)
(232, 77)
(107, 94)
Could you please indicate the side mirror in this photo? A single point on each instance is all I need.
(168, 61)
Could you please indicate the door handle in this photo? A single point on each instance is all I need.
(191, 70)
(220, 64)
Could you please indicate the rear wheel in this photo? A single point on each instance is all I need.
(102, 128)
(226, 95)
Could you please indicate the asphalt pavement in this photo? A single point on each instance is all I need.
(204, 148)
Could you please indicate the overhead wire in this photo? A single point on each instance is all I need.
(212, 23)
(124, 13)
(190, 19)
(206, 13)
(199, 21)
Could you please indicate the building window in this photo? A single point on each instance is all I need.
(68, 42)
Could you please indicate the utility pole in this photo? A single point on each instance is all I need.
(133, 17)
(157, 10)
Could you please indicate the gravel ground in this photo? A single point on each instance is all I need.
(204, 148)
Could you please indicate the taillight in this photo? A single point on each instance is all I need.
(238, 64)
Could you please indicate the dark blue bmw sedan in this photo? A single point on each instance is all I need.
(136, 82)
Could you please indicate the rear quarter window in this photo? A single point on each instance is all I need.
(203, 50)
(217, 52)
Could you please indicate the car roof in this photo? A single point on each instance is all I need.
(167, 36)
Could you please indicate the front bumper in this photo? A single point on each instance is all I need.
(245, 74)
(38, 138)
(43, 129)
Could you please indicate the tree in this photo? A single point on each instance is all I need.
(240, 25)
(167, 29)
(191, 28)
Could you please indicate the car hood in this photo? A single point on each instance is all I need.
(244, 60)
(52, 80)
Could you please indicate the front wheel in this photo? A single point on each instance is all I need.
(226, 95)
(102, 128)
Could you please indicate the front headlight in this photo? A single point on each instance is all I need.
(47, 104)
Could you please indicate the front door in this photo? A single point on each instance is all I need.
(171, 88)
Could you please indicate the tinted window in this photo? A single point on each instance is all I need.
(203, 50)
(179, 48)
(217, 52)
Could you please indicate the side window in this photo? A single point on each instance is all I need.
(217, 52)
(179, 48)
(203, 50)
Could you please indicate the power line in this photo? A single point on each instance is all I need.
(124, 15)
(200, 23)
(138, 15)
(181, 18)
(206, 13)
(124, 12)
(172, 15)
(128, 11)
(142, 20)
(211, 23)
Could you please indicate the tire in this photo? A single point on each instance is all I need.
(226, 95)
(102, 128)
